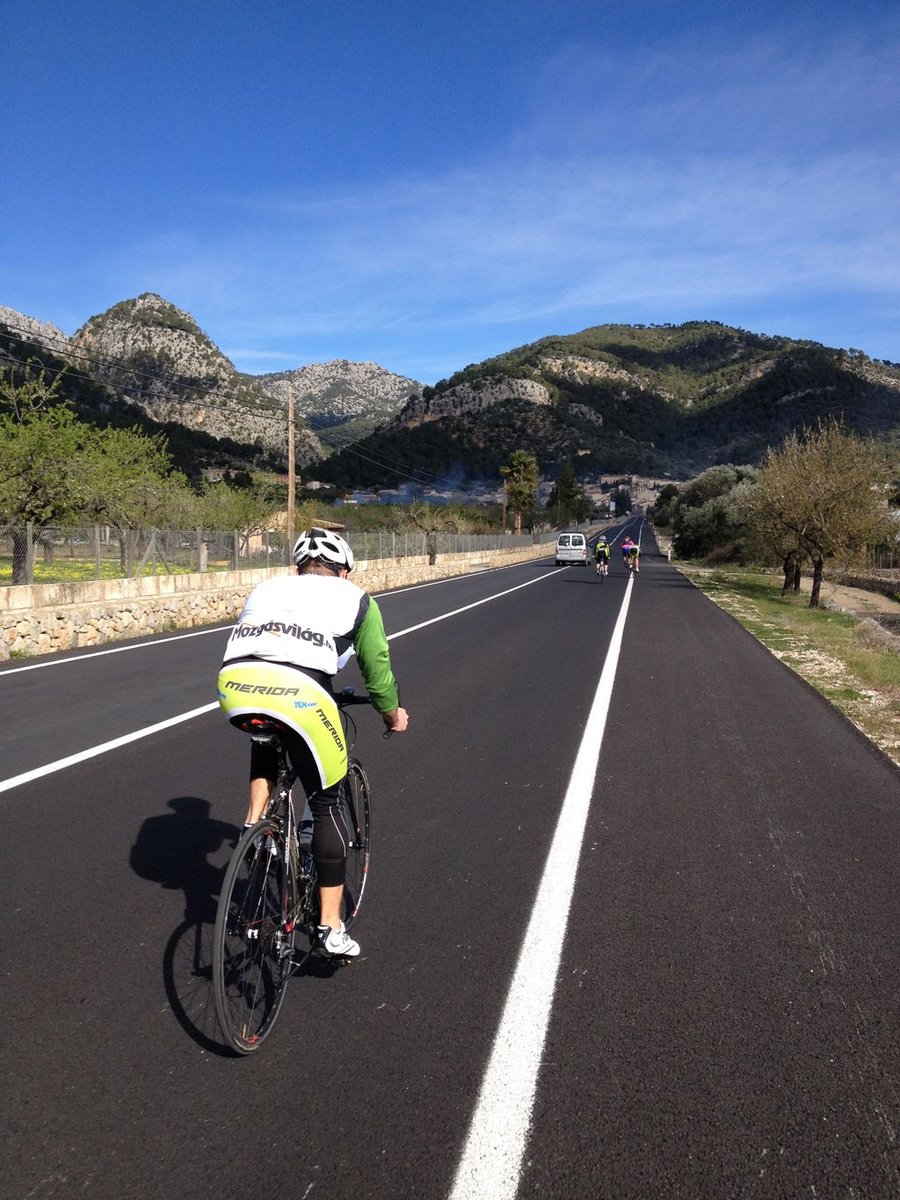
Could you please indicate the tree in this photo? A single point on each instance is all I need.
(250, 509)
(621, 500)
(29, 395)
(520, 481)
(568, 498)
(710, 514)
(664, 505)
(42, 451)
(59, 470)
(824, 493)
(130, 481)
(433, 519)
(129, 484)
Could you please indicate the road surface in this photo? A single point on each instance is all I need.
(631, 928)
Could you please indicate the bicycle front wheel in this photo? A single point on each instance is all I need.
(354, 804)
(253, 938)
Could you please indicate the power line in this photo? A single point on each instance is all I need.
(381, 459)
(403, 474)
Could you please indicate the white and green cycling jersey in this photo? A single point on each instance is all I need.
(315, 622)
(294, 633)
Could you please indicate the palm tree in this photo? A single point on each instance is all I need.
(520, 480)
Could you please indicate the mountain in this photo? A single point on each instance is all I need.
(28, 345)
(341, 401)
(645, 399)
(39, 333)
(145, 356)
(145, 362)
(158, 356)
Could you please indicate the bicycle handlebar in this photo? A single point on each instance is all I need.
(347, 697)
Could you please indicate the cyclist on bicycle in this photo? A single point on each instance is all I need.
(294, 634)
(631, 554)
(601, 554)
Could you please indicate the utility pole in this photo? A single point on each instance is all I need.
(292, 470)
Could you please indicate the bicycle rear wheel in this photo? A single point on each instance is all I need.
(354, 804)
(251, 944)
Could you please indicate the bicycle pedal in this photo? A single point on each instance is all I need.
(339, 959)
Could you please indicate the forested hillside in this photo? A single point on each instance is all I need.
(648, 399)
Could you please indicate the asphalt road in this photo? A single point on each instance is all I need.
(719, 1017)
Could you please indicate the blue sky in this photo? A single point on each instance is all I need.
(425, 185)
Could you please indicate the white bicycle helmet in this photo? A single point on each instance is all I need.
(324, 545)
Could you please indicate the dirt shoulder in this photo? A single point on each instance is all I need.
(855, 664)
(854, 600)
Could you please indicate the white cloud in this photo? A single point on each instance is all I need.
(671, 182)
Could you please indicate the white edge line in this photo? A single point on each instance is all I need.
(82, 755)
(160, 641)
(39, 772)
(491, 1162)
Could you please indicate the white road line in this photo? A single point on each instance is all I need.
(82, 755)
(159, 641)
(476, 603)
(49, 768)
(415, 587)
(491, 1163)
(55, 662)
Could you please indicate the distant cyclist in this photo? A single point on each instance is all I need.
(601, 554)
(631, 555)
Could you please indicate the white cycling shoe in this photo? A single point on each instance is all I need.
(335, 943)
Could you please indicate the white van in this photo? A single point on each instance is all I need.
(571, 548)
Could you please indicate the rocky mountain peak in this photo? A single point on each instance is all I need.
(160, 357)
(42, 333)
(152, 329)
(342, 399)
(470, 397)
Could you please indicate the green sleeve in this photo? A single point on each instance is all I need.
(373, 656)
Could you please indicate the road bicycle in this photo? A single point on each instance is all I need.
(269, 895)
(602, 568)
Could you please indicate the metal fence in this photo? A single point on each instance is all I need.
(32, 554)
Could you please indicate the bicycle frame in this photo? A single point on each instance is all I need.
(269, 890)
(280, 809)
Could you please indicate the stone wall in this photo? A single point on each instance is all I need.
(42, 618)
(887, 583)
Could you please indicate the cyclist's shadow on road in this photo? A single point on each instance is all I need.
(173, 850)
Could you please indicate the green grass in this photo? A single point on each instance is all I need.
(853, 665)
(75, 570)
(63, 571)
